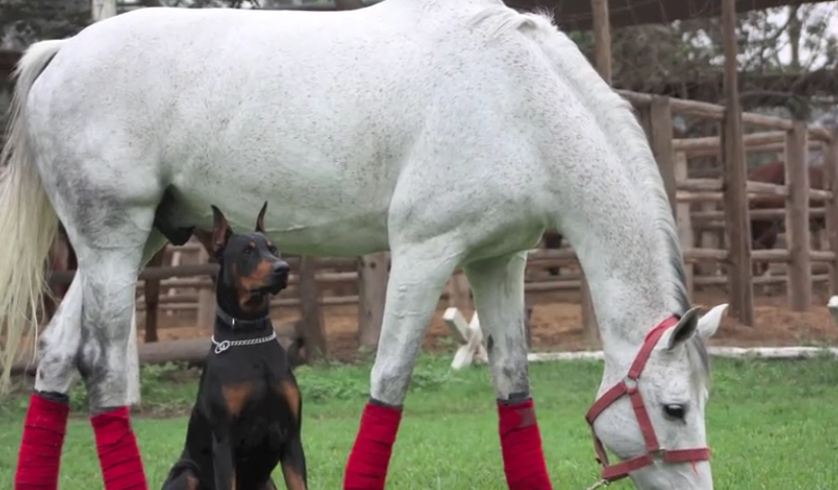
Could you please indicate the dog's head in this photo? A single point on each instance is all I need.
(251, 269)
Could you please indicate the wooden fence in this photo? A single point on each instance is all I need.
(735, 193)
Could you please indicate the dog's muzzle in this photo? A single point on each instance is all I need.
(279, 276)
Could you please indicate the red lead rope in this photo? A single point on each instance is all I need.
(628, 386)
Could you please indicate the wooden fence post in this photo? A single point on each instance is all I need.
(602, 38)
(310, 326)
(151, 289)
(660, 139)
(372, 293)
(709, 239)
(206, 299)
(798, 236)
(459, 293)
(735, 178)
(830, 165)
(684, 219)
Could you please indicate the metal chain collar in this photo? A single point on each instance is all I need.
(222, 346)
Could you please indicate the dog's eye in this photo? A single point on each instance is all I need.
(675, 411)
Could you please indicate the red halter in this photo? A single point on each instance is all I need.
(628, 386)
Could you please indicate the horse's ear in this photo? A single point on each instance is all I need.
(260, 221)
(686, 328)
(710, 321)
(220, 231)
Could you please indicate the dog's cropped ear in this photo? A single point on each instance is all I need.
(220, 231)
(260, 221)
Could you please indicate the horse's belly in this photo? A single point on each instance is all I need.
(325, 216)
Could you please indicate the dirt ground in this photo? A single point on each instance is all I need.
(556, 325)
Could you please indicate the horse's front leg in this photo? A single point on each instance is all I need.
(417, 275)
(498, 286)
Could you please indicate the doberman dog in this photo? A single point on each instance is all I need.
(248, 413)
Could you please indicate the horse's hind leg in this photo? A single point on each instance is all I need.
(99, 344)
(498, 286)
(156, 241)
(46, 417)
(109, 256)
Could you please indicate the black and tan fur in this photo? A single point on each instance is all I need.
(247, 417)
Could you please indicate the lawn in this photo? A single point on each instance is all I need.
(772, 425)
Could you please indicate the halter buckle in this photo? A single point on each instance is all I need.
(631, 385)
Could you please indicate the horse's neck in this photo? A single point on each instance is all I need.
(611, 204)
(630, 287)
(624, 238)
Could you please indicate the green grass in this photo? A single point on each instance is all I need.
(772, 425)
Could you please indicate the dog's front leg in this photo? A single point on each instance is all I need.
(222, 459)
(294, 464)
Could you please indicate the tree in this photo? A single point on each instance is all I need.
(789, 58)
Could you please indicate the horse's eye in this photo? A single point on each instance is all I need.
(272, 250)
(675, 411)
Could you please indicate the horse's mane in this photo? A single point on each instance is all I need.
(627, 138)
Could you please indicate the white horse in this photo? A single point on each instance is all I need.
(450, 132)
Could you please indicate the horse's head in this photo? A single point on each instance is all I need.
(653, 417)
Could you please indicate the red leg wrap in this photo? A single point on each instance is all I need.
(523, 459)
(40, 448)
(119, 456)
(367, 466)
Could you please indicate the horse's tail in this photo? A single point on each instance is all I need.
(28, 223)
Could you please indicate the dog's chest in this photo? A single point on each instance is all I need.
(257, 396)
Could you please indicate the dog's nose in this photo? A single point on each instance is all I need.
(281, 268)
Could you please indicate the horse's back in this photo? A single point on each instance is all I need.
(317, 112)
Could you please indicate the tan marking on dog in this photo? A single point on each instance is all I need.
(259, 276)
(236, 396)
(256, 280)
(293, 478)
(192, 483)
(269, 485)
(289, 391)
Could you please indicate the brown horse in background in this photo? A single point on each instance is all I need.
(764, 231)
